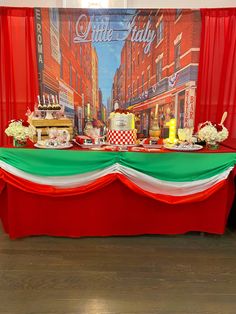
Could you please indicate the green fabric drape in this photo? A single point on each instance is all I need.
(165, 166)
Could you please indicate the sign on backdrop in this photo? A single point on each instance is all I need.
(134, 58)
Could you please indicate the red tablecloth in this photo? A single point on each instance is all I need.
(223, 148)
(113, 210)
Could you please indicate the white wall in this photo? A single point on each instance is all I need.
(121, 3)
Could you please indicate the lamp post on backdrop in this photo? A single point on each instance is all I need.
(116, 105)
(88, 122)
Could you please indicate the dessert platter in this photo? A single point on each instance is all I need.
(117, 148)
(154, 146)
(151, 143)
(87, 146)
(183, 147)
(87, 142)
(52, 144)
(112, 148)
(58, 139)
(145, 149)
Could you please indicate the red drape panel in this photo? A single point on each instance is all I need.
(113, 210)
(18, 65)
(216, 91)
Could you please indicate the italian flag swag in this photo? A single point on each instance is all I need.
(167, 177)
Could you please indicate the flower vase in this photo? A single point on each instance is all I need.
(154, 130)
(88, 129)
(212, 145)
(19, 143)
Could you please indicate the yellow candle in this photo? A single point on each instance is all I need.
(133, 122)
(172, 131)
(88, 110)
(156, 111)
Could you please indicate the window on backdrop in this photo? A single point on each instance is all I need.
(61, 65)
(77, 82)
(142, 82)
(159, 70)
(80, 53)
(177, 55)
(178, 13)
(129, 93)
(81, 85)
(70, 74)
(148, 78)
(159, 32)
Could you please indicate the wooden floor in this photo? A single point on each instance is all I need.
(188, 274)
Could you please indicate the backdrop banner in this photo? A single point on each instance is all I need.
(137, 59)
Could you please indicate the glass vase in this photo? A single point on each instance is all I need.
(19, 143)
(154, 130)
(212, 145)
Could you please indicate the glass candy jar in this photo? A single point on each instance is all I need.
(155, 131)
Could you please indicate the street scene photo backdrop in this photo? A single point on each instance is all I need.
(94, 60)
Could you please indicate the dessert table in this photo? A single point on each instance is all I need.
(78, 193)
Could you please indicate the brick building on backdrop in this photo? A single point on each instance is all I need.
(95, 88)
(68, 69)
(167, 74)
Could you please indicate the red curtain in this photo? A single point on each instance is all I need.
(216, 90)
(18, 65)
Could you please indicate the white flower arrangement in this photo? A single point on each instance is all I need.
(212, 132)
(20, 130)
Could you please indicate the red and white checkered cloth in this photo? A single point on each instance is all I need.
(118, 137)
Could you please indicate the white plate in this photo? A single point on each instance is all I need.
(152, 146)
(88, 145)
(53, 147)
(124, 145)
(183, 148)
(97, 148)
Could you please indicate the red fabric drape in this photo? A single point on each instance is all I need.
(112, 210)
(18, 65)
(216, 91)
(48, 190)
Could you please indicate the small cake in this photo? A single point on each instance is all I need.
(122, 128)
(83, 140)
(49, 106)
